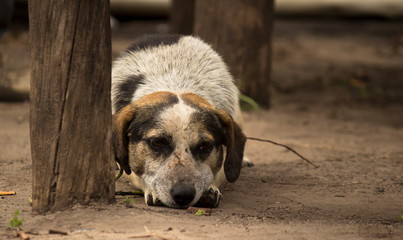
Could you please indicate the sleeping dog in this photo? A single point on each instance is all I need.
(176, 121)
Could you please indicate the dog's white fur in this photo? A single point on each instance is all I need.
(194, 67)
(186, 65)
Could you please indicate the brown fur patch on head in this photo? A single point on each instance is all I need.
(235, 139)
(196, 100)
(122, 120)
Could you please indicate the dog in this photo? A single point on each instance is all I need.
(177, 124)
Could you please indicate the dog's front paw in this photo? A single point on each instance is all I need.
(210, 198)
(246, 162)
(151, 200)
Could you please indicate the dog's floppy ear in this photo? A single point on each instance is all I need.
(235, 143)
(121, 122)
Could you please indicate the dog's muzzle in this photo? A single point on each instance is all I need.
(183, 194)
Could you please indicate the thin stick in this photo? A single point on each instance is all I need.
(56, 231)
(150, 234)
(23, 236)
(122, 193)
(7, 193)
(285, 146)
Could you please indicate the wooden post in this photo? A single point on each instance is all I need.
(70, 122)
(181, 17)
(241, 31)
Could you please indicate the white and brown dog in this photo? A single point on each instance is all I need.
(177, 122)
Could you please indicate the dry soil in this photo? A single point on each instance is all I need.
(337, 99)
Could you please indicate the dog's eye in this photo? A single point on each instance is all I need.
(204, 147)
(158, 143)
(202, 150)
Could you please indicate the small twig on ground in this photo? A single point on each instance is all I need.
(122, 193)
(285, 146)
(150, 234)
(23, 235)
(56, 231)
(5, 193)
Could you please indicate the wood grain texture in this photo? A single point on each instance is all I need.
(181, 18)
(70, 115)
(241, 31)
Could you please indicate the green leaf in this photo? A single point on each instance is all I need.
(16, 223)
(252, 103)
(200, 212)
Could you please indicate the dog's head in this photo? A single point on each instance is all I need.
(176, 144)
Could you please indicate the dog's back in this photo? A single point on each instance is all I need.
(172, 63)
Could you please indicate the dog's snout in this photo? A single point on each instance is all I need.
(183, 194)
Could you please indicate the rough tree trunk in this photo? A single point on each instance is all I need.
(241, 31)
(70, 111)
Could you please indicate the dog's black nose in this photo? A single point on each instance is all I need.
(183, 194)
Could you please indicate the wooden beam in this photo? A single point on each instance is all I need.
(241, 31)
(70, 115)
(181, 17)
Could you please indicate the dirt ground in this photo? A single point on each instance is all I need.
(337, 99)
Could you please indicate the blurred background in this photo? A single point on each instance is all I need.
(322, 51)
